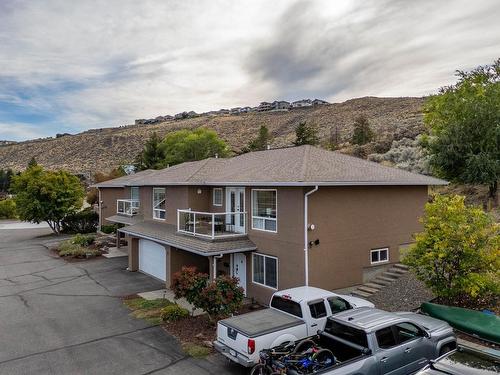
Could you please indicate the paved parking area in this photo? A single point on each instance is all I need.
(67, 318)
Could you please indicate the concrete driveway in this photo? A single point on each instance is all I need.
(67, 318)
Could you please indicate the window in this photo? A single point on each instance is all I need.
(134, 193)
(407, 332)
(386, 338)
(286, 305)
(265, 270)
(159, 203)
(338, 304)
(217, 198)
(354, 335)
(264, 202)
(318, 309)
(379, 255)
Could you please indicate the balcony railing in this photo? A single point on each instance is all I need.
(211, 224)
(129, 207)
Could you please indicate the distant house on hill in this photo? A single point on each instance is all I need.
(319, 102)
(281, 105)
(264, 106)
(302, 103)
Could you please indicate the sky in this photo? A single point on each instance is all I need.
(69, 66)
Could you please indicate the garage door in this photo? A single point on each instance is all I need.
(153, 259)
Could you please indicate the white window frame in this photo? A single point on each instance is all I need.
(159, 209)
(378, 251)
(264, 218)
(277, 271)
(221, 197)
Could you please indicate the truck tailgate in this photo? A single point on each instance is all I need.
(259, 323)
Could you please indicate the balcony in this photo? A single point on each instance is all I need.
(211, 225)
(128, 207)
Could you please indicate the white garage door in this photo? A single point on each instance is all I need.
(153, 259)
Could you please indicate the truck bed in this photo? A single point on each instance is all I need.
(261, 322)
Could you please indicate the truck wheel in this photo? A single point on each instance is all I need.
(261, 369)
(445, 349)
(304, 346)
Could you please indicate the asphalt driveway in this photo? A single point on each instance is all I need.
(68, 318)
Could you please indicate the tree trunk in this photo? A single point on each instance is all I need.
(493, 193)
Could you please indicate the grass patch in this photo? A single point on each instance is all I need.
(70, 249)
(149, 310)
(196, 351)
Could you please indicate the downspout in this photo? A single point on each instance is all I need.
(100, 210)
(306, 242)
(214, 265)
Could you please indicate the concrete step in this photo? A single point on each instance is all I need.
(374, 285)
(401, 266)
(359, 293)
(382, 283)
(397, 270)
(391, 274)
(367, 289)
(385, 278)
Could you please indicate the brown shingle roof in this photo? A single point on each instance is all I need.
(167, 234)
(303, 165)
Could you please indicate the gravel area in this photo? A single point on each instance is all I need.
(405, 294)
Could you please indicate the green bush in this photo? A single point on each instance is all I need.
(84, 221)
(108, 229)
(83, 239)
(7, 209)
(173, 313)
(188, 283)
(68, 248)
(221, 297)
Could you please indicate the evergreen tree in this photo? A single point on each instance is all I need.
(261, 142)
(152, 156)
(362, 133)
(305, 135)
(32, 163)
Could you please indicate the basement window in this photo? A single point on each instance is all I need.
(379, 255)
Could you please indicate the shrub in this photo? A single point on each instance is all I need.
(173, 313)
(188, 283)
(221, 297)
(458, 253)
(83, 240)
(84, 221)
(68, 248)
(108, 229)
(92, 196)
(7, 209)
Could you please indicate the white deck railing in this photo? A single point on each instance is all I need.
(129, 207)
(211, 224)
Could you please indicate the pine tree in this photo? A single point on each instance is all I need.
(260, 143)
(152, 156)
(32, 163)
(305, 135)
(362, 132)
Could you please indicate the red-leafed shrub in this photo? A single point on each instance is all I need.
(188, 283)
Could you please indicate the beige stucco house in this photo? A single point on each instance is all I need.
(275, 219)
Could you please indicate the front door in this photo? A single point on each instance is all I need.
(240, 269)
(235, 202)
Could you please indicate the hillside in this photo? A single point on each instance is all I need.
(103, 149)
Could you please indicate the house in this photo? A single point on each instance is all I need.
(275, 219)
(301, 103)
(319, 102)
(264, 106)
(281, 105)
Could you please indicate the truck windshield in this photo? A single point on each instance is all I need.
(286, 305)
(350, 334)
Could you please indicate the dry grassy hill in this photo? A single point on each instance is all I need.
(104, 149)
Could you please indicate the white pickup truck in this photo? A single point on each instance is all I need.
(293, 314)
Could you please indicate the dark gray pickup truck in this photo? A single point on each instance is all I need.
(369, 341)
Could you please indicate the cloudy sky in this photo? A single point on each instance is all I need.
(67, 66)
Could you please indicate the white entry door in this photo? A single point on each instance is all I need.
(153, 259)
(240, 269)
(235, 202)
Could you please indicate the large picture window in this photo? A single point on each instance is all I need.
(265, 270)
(264, 203)
(159, 203)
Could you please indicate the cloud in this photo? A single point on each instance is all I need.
(86, 64)
(19, 132)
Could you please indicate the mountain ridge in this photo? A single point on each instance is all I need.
(105, 148)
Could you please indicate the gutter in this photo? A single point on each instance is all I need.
(100, 210)
(306, 243)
